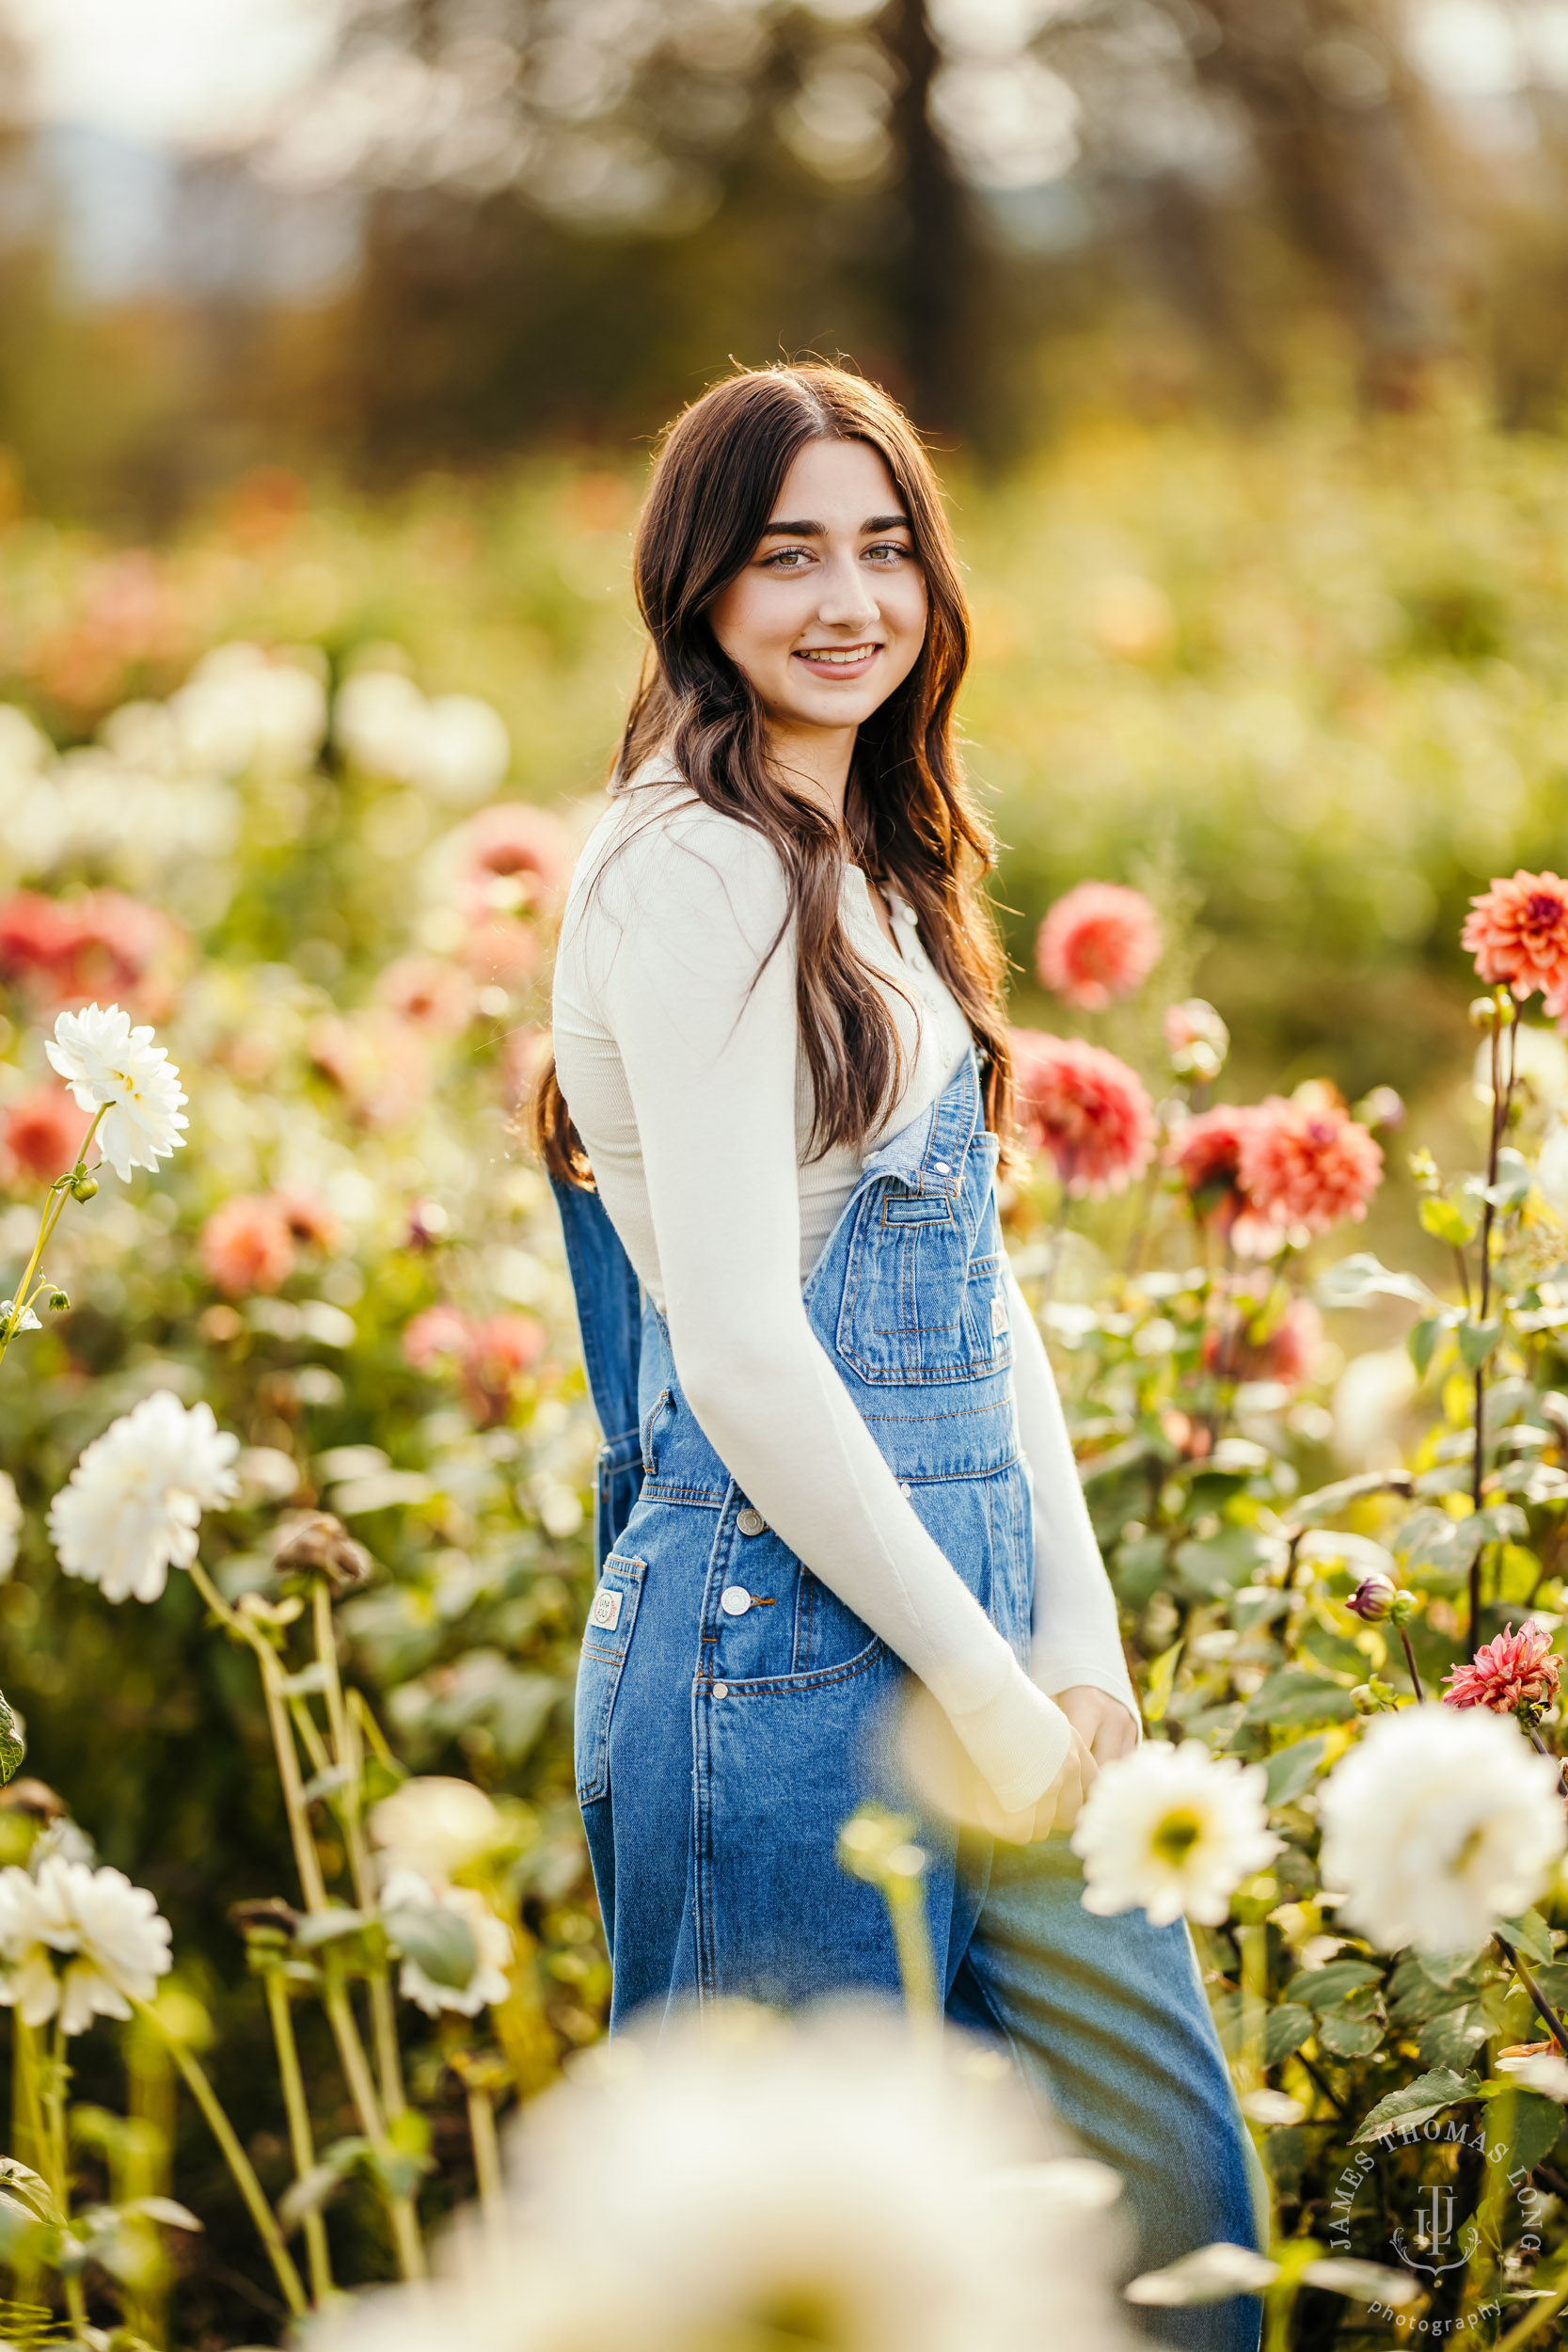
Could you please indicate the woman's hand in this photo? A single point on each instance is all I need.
(1103, 1723)
(1056, 1810)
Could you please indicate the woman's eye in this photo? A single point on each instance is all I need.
(787, 560)
(889, 547)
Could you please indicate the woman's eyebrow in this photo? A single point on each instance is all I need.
(819, 531)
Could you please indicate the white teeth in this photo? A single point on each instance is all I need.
(824, 653)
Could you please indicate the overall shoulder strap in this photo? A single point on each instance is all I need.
(610, 1306)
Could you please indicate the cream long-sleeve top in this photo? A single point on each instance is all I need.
(678, 1048)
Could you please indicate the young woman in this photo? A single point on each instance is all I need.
(834, 1454)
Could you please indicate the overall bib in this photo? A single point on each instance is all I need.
(731, 1710)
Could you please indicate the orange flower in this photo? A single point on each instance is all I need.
(246, 1246)
(1100, 942)
(1240, 1349)
(43, 1133)
(1518, 933)
(1307, 1162)
(1514, 1675)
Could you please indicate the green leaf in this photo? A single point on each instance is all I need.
(1347, 2037)
(1416, 2101)
(14, 1743)
(1453, 2038)
(1449, 1220)
(441, 1942)
(1320, 1988)
(1287, 2027)
(167, 2211)
(1361, 1277)
(1217, 1566)
(1161, 1675)
(1421, 1339)
(1293, 1697)
(1476, 1341)
(1138, 1569)
(326, 1927)
(1530, 2124)
(1292, 1769)
(1529, 1935)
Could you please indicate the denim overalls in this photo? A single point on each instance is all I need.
(730, 1708)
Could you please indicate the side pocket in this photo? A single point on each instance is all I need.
(606, 1638)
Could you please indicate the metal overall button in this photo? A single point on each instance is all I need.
(735, 1600)
(749, 1521)
(720, 1690)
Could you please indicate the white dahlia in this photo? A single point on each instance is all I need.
(434, 1824)
(407, 1903)
(1438, 1825)
(133, 1505)
(78, 1941)
(113, 1068)
(1174, 1831)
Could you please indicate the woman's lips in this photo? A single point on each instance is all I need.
(849, 661)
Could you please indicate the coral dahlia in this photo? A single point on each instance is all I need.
(1518, 933)
(44, 1130)
(1514, 1674)
(1086, 1108)
(1100, 942)
(246, 1246)
(1307, 1162)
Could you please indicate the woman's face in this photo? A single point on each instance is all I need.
(828, 615)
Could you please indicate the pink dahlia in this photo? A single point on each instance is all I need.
(516, 851)
(1253, 1347)
(307, 1215)
(246, 1246)
(1307, 1162)
(1514, 1674)
(1518, 933)
(437, 1335)
(1086, 1108)
(1099, 942)
(43, 1133)
(1206, 1154)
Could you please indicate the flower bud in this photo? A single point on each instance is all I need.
(1483, 1012)
(1373, 1597)
(1403, 1607)
(83, 1187)
(1375, 1697)
(60, 1303)
(1382, 1108)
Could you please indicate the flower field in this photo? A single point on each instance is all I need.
(294, 1908)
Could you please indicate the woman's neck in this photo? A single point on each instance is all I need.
(816, 760)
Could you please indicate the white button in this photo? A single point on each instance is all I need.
(903, 1486)
(751, 1521)
(943, 1167)
(720, 1690)
(735, 1600)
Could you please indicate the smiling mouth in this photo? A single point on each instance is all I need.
(836, 656)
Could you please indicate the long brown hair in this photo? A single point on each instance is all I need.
(908, 816)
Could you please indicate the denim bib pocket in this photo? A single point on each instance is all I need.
(606, 1638)
(924, 1297)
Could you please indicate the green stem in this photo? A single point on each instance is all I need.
(1410, 1662)
(53, 1209)
(238, 2162)
(487, 2156)
(356, 2074)
(301, 2143)
(1543, 2008)
(347, 1755)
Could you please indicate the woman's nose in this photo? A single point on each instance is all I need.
(845, 594)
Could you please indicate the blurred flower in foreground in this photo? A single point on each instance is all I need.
(433, 1825)
(63, 950)
(81, 1942)
(747, 2182)
(1438, 1825)
(1518, 933)
(1197, 1038)
(134, 1504)
(1086, 1108)
(378, 1061)
(1100, 942)
(1307, 1162)
(1514, 1675)
(464, 1985)
(111, 1067)
(1173, 1831)
(44, 1132)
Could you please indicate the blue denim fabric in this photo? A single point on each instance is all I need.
(731, 1710)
